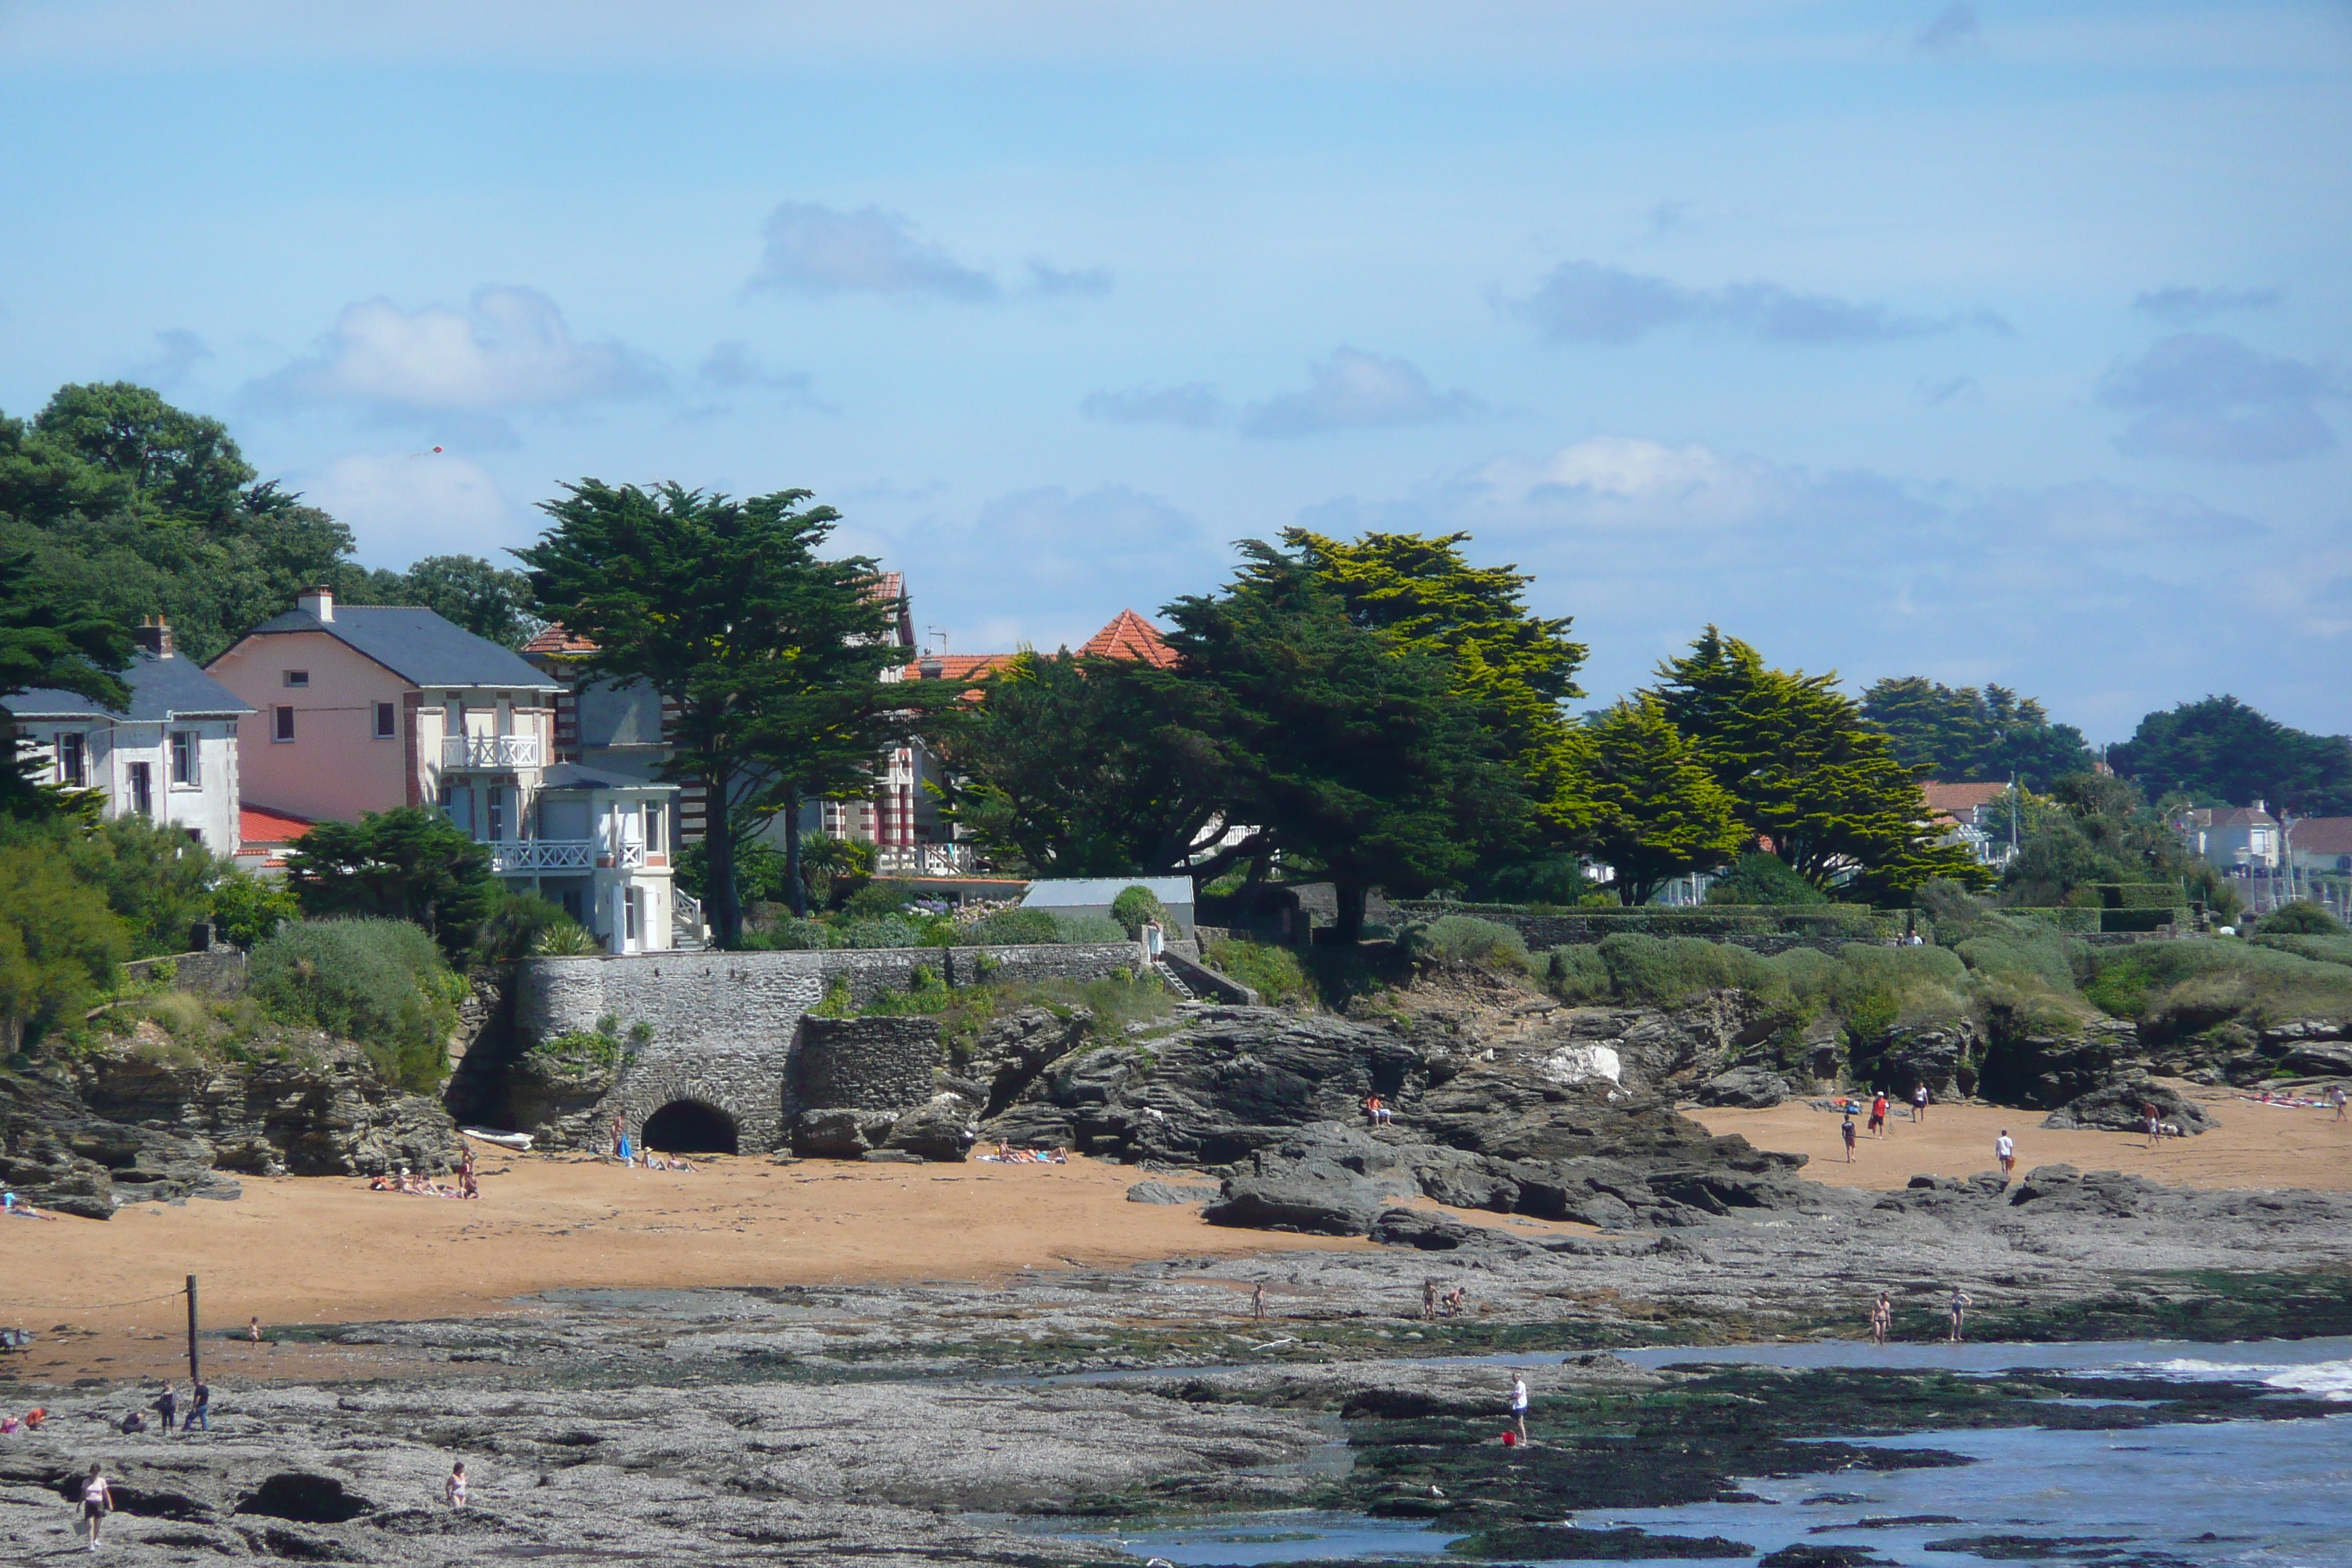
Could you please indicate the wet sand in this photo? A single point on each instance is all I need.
(2255, 1146)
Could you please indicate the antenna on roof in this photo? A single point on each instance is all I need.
(938, 634)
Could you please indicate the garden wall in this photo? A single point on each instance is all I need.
(726, 1026)
(1762, 928)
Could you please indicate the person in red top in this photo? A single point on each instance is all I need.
(1878, 1115)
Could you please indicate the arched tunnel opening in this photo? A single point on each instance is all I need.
(690, 1127)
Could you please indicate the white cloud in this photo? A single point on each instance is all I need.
(178, 351)
(814, 250)
(1354, 390)
(400, 507)
(1588, 302)
(2212, 398)
(507, 350)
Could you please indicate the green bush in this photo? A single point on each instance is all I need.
(1761, 879)
(878, 900)
(1010, 928)
(2183, 988)
(380, 983)
(1274, 972)
(60, 944)
(566, 938)
(1665, 971)
(1578, 975)
(1136, 905)
(246, 909)
(1467, 939)
(791, 935)
(2300, 918)
(156, 876)
(1074, 929)
(894, 930)
(511, 930)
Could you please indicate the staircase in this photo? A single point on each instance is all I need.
(686, 923)
(1174, 980)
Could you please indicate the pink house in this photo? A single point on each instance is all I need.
(359, 707)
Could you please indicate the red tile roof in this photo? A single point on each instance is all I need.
(960, 666)
(1130, 637)
(557, 643)
(1952, 799)
(2323, 835)
(258, 826)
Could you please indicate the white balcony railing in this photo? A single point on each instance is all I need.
(522, 856)
(923, 859)
(490, 751)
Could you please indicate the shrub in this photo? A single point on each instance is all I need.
(889, 931)
(1578, 975)
(566, 938)
(1136, 905)
(2302, 918)
(510, 931)
(1010, 928)
(1467, 939)
(1274, 972)
(1074, 929)
(1664, 971)
(246, 909)
(1761, 879)
(876, 900)
(380, 983)
(791, 935)
(59, 942)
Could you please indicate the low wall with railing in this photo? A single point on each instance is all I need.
(725, 1025)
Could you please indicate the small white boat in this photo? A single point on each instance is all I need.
(517, 1142)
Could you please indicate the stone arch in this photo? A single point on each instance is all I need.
(692, 1127)
(748, 1099)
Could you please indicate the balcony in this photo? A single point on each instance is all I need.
(923, 861)
(490, 751)
(526, 856)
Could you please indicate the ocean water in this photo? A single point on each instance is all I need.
(2260, 1494)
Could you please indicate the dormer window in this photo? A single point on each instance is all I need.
(298, 677)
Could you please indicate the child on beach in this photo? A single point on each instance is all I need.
(1845, 1130)
(455, 1488)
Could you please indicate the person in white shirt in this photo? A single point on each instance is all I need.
(2004, 1149)
(97, 1502)
(1520, 1404)
(455, 1488)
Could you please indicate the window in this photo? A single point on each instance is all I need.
(387, 721)
(654, 815)
(142, 790)
(495, 800)
(186, 758)
(73, 761)
(629, 916)
(298, 677)
(282, 724)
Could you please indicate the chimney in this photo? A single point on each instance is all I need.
(154, 633)
(320, 601)
(928, 666)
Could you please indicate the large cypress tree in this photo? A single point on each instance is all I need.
(1656, 812)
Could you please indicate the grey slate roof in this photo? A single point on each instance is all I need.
(1085, 892)
(160, 689)
(418, 646)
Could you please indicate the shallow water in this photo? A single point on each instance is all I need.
(2261, 1494)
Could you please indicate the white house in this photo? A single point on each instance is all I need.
(2236, 838)
(171, 754)
(359, 707)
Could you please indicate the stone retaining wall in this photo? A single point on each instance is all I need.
(215, 972)
(726, 1026)
(875, 1064)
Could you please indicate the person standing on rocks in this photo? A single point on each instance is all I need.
(1845, 1130)
(1519, 1405)
(1258, 1299)
(454, 1488)
(2004, 1149)
(97, 1502)
(167, 1405)
(1960, 1304)
(200, 1408)
(1919, 1103)
(1881, 1318)
(1428, 1299)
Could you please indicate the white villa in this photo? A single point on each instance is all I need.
(171, 754)
(363, 707)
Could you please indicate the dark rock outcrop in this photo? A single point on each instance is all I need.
(1745, 1089)
(2046, 1068)
(2116, 1109)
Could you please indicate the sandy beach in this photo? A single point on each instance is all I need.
(2255, 1146)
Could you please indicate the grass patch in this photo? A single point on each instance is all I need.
(1274, 972)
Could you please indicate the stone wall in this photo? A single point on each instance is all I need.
(877, 1064)
(215, 972)
(726, 1026)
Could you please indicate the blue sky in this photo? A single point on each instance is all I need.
(1987, 340)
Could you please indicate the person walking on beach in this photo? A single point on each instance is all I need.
(253, 1330)
(1878, 1115)
(1258, 1299)
(1881, 1318)
(1960, 1304)
(2152, 1122)
(97, 1502)
(1919, 1104)
(454, 1488)
(1845, 1130)
(167, 1405)
(2339, 1099)
(1519, 1405)
(200, 1408)
(2004, 1149)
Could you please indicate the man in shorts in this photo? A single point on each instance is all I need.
(1960, 1304)
(1845, 1130)
(2150, 1122)
(2004, 1149)
(1878, 1115)
(1881, 1318)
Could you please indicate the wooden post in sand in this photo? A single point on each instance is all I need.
(194, 1371)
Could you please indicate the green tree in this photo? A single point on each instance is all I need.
(1760, 878)
(409, 863)
(1656, 812)
(1086, 767)
(467, 591)
(2218, 751)
(1809, 772)
(49, 639)
(1964, 735)
(59, 942)
(1346, 747)
(248, 908)
(724, 607)
(156, 876)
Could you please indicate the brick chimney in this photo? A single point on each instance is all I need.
(154, 633)
(320, 601)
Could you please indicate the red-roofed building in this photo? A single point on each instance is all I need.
(1130, 637)
(1977, 814)
(265, 836)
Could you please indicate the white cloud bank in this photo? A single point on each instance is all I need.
(402, 507)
